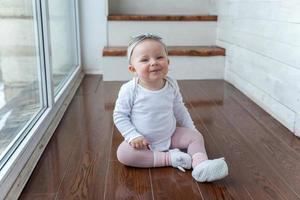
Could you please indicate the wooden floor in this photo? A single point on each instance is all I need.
(80, 160)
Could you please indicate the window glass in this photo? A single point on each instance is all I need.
(62, 40)
(21, 98)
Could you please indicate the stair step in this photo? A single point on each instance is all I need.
(186, 62)
(159, 7)
(174, 33)
(162, 18)
(173, 51)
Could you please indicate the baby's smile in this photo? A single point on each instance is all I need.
(155, 70)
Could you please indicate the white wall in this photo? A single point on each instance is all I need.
(93, 34)
(161, 7)
(263, 53)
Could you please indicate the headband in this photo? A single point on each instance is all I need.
(135, 40)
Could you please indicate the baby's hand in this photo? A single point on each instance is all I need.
(139, 143)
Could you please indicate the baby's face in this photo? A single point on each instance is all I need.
(149, 60)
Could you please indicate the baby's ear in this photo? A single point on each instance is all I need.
(131, 68)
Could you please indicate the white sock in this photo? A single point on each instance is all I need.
(210, 170)
(180, 159)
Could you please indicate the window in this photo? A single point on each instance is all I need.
(21, 91)
(62, 40)
(38, 60)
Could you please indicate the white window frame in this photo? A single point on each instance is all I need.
(16, 172)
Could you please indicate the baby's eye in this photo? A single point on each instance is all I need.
(144, 60)
(160, 57)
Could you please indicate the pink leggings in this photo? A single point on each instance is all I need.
(183, 138)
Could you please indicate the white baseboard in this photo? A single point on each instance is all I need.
(93, 71)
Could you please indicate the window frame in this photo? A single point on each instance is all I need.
(13, 167)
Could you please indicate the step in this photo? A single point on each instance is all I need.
(158, 7)
(186, 63)
(175, 30)
(162, 18)
(173, 51)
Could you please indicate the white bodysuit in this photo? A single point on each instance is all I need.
(152, 114)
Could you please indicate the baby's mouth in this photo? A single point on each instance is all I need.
(156, 70)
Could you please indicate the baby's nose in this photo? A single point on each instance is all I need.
(153, 61)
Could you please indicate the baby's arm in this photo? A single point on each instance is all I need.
(122, 113)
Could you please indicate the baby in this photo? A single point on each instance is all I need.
(147, 110)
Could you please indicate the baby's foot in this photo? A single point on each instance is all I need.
(210, 170)
(180, 159)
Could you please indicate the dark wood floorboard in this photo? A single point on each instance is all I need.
(116, 141)
(228, 188)
(170, 183)
(263, 181)
(127, 182)
(284, 160)
(274, 127)
(80, 160)
(44, 196)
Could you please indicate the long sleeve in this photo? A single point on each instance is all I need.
(122, 113)
(180, 111)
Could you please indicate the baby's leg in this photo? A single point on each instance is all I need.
(185, 138)
(204, 169)
(130, 156)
